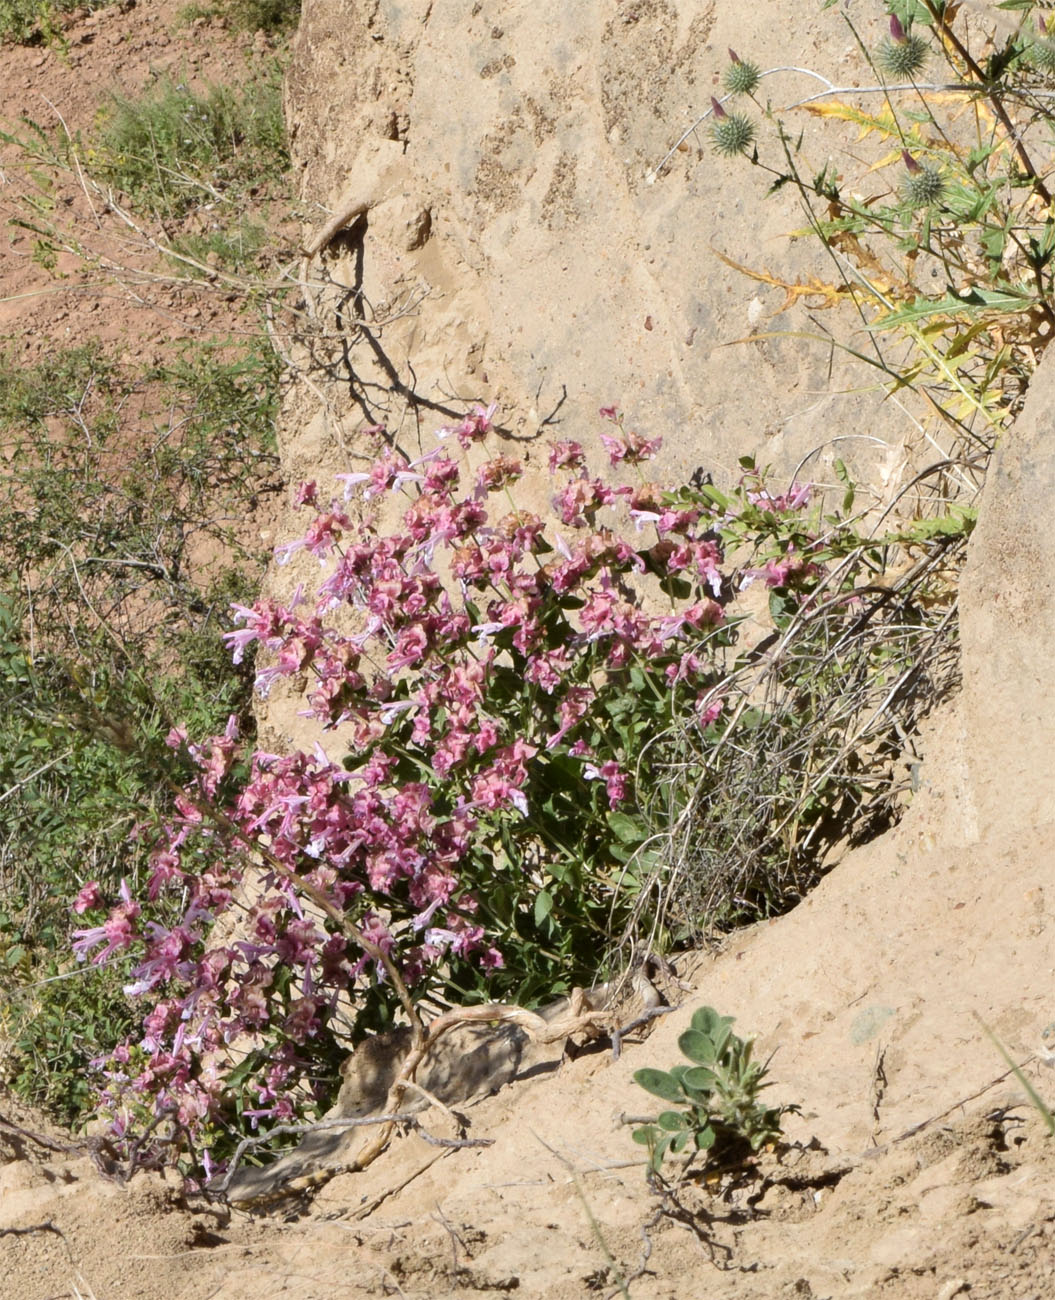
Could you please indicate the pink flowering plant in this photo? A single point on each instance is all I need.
(491, 691)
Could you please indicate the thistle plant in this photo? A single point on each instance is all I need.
(718, 1095)
(1042, 54)
(923, 185)
(955, 253)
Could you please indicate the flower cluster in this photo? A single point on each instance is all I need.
(492, 680)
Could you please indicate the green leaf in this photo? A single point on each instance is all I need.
(662, 1146)
(708, 1021)
(543, 905)
(673, 1120)
(712, 496)
(956, 304)
(700, 1079)
(959, 522)
(705, 1138)
(843, 475)
(660, 1084)
(698, 1046)
(627, 829)
(782, 606)
(914, 11)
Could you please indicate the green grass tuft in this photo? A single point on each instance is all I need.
(273, 16)
(177, 149)
(27, 22)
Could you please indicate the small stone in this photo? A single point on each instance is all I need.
(418, 230)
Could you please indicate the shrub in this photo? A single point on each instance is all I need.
(277, 16)
(260, 15)
(505, 694)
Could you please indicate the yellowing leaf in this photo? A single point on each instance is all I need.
(821, 293)
(884, 122)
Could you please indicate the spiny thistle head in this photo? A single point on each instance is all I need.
(901, 54)
(731, 133)
(923, 185)
(1042, 49)
(740, 77)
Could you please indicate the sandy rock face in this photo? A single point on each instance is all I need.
(509, 154)
(1008, 628)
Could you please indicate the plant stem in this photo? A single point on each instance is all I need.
(947, 33)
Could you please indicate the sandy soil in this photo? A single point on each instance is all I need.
(915, 1167)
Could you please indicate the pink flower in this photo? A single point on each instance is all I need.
(166, 864)
(89, 896)
(566, 455)
(708, 709)
(630, 447)
(302, 1023)
(615, 780)
(390, 471)
(473, 427)
(410, 648)
(442, 474)
(351, 482)
(797, 497)
(581, 498)
(779, 573)
(117, 933)
(499, 472)
(572, 708)
(165, 960)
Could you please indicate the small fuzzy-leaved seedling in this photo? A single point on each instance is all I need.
(718, 1093)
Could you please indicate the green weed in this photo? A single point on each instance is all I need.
(248, 15)
(236, 247)
(940, 219)
(718, 1093)
(27, 21)
(177, 149)
(120, 554)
